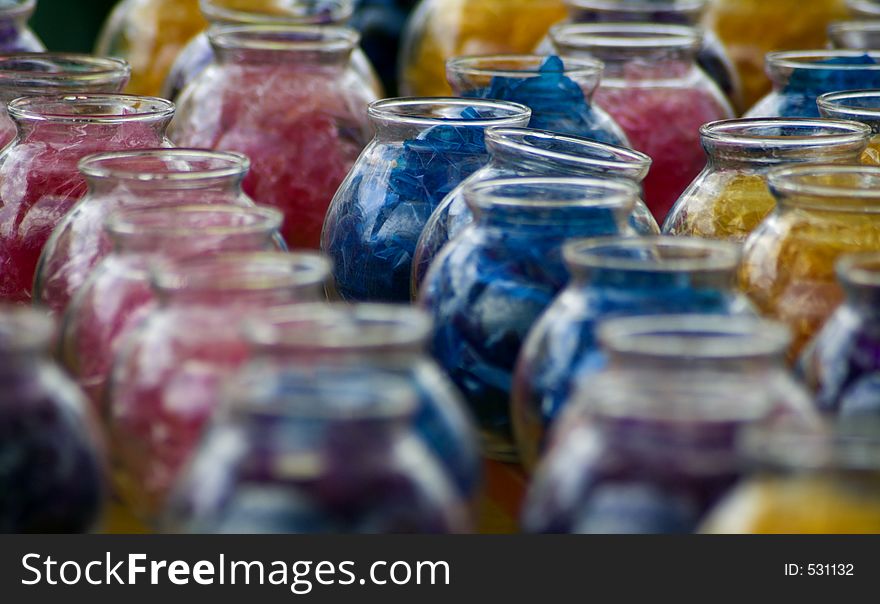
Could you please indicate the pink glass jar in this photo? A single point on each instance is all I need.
(654, 89)
(36, 74)
(286, 97)
(123, 179)
(39, 180)
(166, 382)
(117, 296)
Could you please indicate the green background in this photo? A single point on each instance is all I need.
(70, 25)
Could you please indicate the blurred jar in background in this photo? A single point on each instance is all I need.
(441, 29)
(842, 364)
(860, 106)
(823, 212)
(149, 34)
(806, 480)
(855, 35)
(749, 29)
(294, 456)
(15, 35)
(54, 73)
(52, 478)
(656, 92)
(730, 198)
(650, 444)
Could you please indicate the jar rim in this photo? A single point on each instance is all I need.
(627, 36)
(242, 272)
(338, 11)
(485, 195)
(19, 8)
(24, 330)
(594, 253)
(391, 111)
(865, 7)
(640, 6)
(808, 59)
(339, 327)
(61, 108)
(89, 70)
(835, 102)
(283, 38)
(168, 221)
(742, 132)
(860, 269)
(707, 337)
(792, 182)
(839, 27)
(226, 165)
(469, 65)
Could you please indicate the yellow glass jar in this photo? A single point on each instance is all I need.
(750, 29)
(441, 29)
(809, 480)
(860, 106)
(823, 212)
(730, 198)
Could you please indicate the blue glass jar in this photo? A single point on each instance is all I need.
(326, 342)
(528, 152)
(15, 35)
(800, 77)
(423, 149)
(651, 444)
(491, 283)
(559, 91)
(842, 364)
(611, 278)
(315, 457)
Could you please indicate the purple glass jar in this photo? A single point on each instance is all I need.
(15, 35)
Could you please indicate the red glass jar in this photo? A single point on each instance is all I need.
(126, 179)
(166, 382)
(39, 180)
(286, 97)
(118, 295)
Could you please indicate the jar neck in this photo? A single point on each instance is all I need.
(17, 13)
(655, 280)
(133, 133)
(540, 220)
(289, 12)
(816, 73)
(675, 12)
(502, 76)
(294, 47)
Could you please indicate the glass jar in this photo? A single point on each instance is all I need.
(867, 9)
(39, 180)
(823, 212)
(854, 35)
(15, 35)
(441, 29)
(650, 444)
(198, 54)
(331, 342)
(32, 74)
(842, 364)
(800, 77)
(322, 457)
(117, 295)
(423, 149)
(806, 480)
(611, 278)
(860, 106)
(528, 152)
(749, 29)
(166, 381)
(491, 283)
(125, 179)
(283, 96)
(149, 34)
(558, 91)
(655, 90)
(712, 57)
(730, 198)
(52, 479)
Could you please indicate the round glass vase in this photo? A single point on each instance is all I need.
(422, 150)
(528, 152)
(491, 283)
(118, 296)
(823, 212)
(153, 177)
(859, 106)
(730, 198)
(15, 35)
(283, 96)
(167, 379)
(654, 89)
(40, 74)
(38, 169)
(649, 445)
(612, 278)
